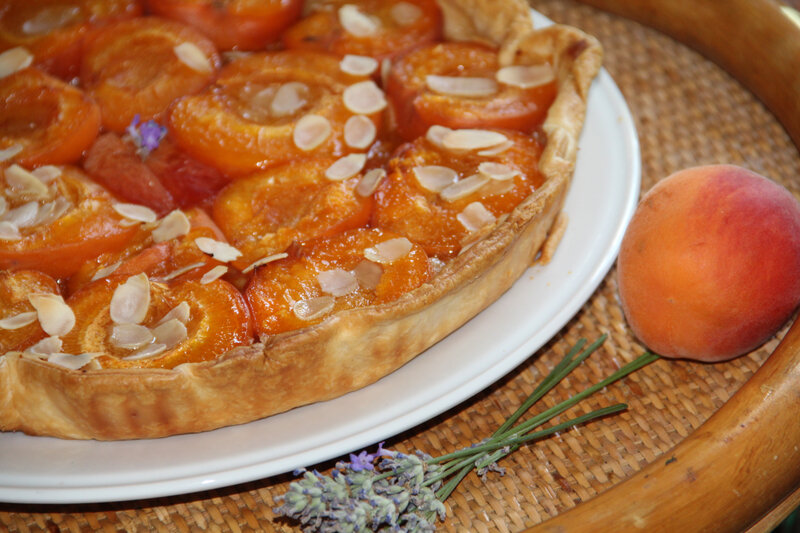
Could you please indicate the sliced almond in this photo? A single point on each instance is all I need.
(264, 261)
(51, 211)
(357, 23)
(221, 251)
(405, 13)
(389, 251)
(436, 134)
(214, 274)
(313, 308)
(194, 58)
(364, 98)
(130, 336)
(13, 60)
(463, 188)
(499, 149)
(526, 76)
(368, 274)
(136, 212)
(461, 86)
(19, 320)
(151, 350)
(50, 17)
(181, 271)
(47, 173)
(435, 178)
(8, 153)
(9, 231)
(72, 362)
(181, 312)
(358, 65)
(475, 217)
(472, 139)
(55, 316)
(23, 182)
(131, 300)
(497, 171)
(359, 132)
(3, 205)
(170, 333)
(23, 216)
(346, 167)
(370, 181)
(106, 271)
(46, 346)
(386, 69)
(175, 224)
(289, 98)
(311, 131)
(337, 282)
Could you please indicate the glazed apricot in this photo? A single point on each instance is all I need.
(425, 90)
(54, 30)
(265, 213)
(138, 67)
(442, 198)
(15, 306)
(334, 274)
(57, 226)
(213, 320)
(47, 120)
(237, 24)
(270, 108)
(373, 28)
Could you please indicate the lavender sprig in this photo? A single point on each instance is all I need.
(146, 136)
(392, 491)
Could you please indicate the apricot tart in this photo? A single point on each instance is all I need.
(202, 227)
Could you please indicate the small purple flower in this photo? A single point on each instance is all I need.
(146, 136)
(362, 461)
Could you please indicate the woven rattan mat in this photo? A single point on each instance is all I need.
(687, 112)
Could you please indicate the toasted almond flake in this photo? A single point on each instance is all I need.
(313, 308)
(370, 181)
(151, 350)
(72, 362)
(475, 216)
(357, 23)
(47, 173)
(497, 171)
(9, 232)
(130, 336)
(358, 65)
(289, 98)
(221, 251)
(337, 282)
(214, 274)
(175, 224)
(359, 131)
(463, 188)
(3, 205)
(49, 18)
(8, 153)
(13, 60)
(55, 316)
(311, 131)
(46, 346)
(436, 134)
(461, 86)
(435, 178)
(194, 58)
(389, 251)
(136, 212)
(181, 312)
(405, 13)
(105, 271)
(170, 333)
(52, 211)
(264, 261)
(499, 149)
(181, 271)
(346, 167)
(386, 69)
(19, 320)
(23, 216)
(472, 139)
(368, 274)
(526, 76)
(496, 187)
(364, 98)
(131, 300)
(24, 182)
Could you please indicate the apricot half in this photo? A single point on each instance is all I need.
(709, 266)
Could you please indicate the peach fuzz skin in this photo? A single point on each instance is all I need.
(709, 267)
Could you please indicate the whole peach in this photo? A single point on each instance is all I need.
(709, 266)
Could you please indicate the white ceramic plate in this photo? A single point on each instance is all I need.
(600, 203)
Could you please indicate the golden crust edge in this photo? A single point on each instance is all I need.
(328, 360)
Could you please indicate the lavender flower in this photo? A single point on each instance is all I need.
(145, 136)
